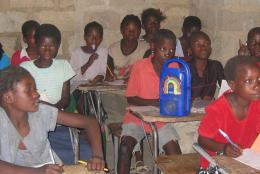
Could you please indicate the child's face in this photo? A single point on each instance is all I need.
(201, 47)
(25, 97)
(47, 48)
(254, 45)
(131, 31)
(152, 25)
(247, 82)
(93, 38)
(29, 39)
(164, 49)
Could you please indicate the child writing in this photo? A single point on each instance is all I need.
(4, 60)
(253, 43)
(89, 61)
(25, 123)
(124, 53)
(143, 90)
(29, 53)
(206, 73)
(236, 112)
(45, 70)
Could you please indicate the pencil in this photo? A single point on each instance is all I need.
(85, 163)
(110, 72)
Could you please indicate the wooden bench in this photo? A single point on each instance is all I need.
(178, 164)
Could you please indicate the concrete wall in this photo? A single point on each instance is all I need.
(225, 21)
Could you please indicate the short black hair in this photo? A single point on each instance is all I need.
(191, 21)
(197, 34)
(1, 51)
(130, 18)
(252, 32)
(164, 34)
(93, 25)
(29, 25)
(235, 62)
(48, 30)
(9, 77)
(152, 12)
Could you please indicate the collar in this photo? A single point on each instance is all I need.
(24, 53)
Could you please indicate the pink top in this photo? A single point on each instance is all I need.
(219, 115)
(19, 56)
(143, 83)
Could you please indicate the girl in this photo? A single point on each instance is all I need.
(4, 61)
(25, 123)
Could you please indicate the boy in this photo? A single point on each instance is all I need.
(29, 53)
(236, 112)
(143, 90)
(206, 73)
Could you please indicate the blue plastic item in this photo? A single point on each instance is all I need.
(175, 89)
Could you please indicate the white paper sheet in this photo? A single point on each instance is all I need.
(142, 108)
(250, 158)
(116, 82)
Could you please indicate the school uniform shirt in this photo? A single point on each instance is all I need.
(98, 67)
(219, 115)
(206, 85)
(143, 83)
(49, 81)
(4, 61)
(20, 56)
(36, 142)
(123, 63)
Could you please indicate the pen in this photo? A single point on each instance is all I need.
(110, 72)
(85, 163)
(227, 138)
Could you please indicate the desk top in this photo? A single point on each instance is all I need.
(178, 164)
(79, 169)
(234, 166)
(102, 87)
(154, 116)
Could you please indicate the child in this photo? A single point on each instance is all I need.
(143, 90)
(45, 70)
(25, 123)
(124, 53)
(236, 112)
(29, 53)
(190, 24)
(89, 61)
(253, 43)
(4, 60)
(206, 73)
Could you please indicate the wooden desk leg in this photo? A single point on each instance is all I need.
(156, 144)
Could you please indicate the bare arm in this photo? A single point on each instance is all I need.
(8, 168)
(90, 61)
(137, 101)
(97, 79)
(214, 146)
(92, 128)
(65, 95)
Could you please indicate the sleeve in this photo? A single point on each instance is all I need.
(210, 122)
(15, 57)
(134, 81)
(49, 116)
(76, 66)
(67, 71)
(5, 61)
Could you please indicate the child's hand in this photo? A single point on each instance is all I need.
(50, 169)
(92, 58)
(96, 164)
(232, 151)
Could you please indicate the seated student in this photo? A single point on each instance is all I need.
(236, 112)
(25, 123)
(206, 73)
(89, 61)
(143, 90)
(190, 25)
(4, 60)
(29, 53)
(253, 43)
(45, 70)
(124, 53)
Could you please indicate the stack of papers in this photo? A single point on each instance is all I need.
(250, 158)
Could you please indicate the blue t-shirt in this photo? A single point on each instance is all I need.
(4, 62)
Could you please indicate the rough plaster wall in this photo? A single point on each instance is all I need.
(224, 20)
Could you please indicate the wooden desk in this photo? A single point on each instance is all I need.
(178, 164)
(234, 166)
(79, 169)
(101, 87)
